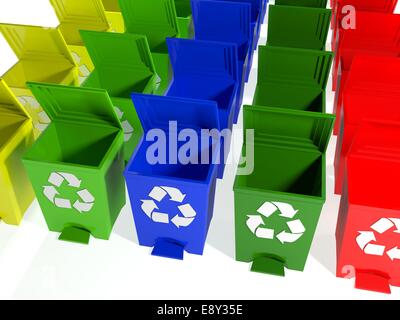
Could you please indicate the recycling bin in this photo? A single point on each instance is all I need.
(368, 223)
(123, 64)
(303, 3)
(292, 78)
(43, 56)
(277, 207)
(76, 15)
(172, 199)
(360, 6)
(227, 22)
(372, 92)
(157, 20)
(298, 27)
(184, 14)
(207, 70)
(76, 167)
(16, 136)
(367, 38)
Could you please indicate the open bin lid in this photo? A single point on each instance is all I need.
(78, 14)
(369, 5)
(157, 19)
(303, 3)
(9, 103)
(72, 104)
(255, 7)
(207, 58)
(309, 129)
(294, 66)
(109, 49)
(155, 112)
(300, 26)
(31, 42)
(223, 21)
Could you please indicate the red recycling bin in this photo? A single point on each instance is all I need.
(368, 229)
(372, 92)
(340, 11)
(366, 39)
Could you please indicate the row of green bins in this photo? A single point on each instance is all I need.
(278, 205)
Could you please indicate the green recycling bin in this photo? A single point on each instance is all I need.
(303, 3)
(277, 207)
(123, 65)
(157, 20)
(292, 78)
(76, 167)
(298, 27)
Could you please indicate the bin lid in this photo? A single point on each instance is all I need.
(303, 3)
(109, 49)
(298, 27)
(31, 42)
(155, 112)
(207, 58)
(370, 5)
(75, 15)
(156, 19)
(9, 103)
(74, 104)
(255, 7)
(294, 66)
(307, 128)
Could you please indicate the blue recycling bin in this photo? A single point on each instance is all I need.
(229, 22)
(172, 200)
(207, 70)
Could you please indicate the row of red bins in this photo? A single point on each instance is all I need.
(366, 81)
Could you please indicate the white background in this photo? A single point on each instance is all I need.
(34, 264)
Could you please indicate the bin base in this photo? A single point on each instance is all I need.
(76, 235)
(372, 281)
(272, 265)
(168, 248)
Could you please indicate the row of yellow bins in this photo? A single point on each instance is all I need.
(52, 55)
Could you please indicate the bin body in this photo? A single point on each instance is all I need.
(79, 181)
(42, 56)
(277, 207)
(207, 70)
(367, 229)
(123, 65)
(298, 27)
(292, 78)
(173, 202)
(227, 22)
(372, 92)
(15, 139)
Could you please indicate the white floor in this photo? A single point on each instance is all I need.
(34, 264)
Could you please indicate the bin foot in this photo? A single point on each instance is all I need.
(168, 248)
(269, 264)
(372, 281)
(75, 234)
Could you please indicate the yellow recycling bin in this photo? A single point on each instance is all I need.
(76, 15)
(43, 56)
(16, 136)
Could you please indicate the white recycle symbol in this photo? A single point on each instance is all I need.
(150, 207)
(39, 116)
(128, 129)
(84, 71)
(56, 179)
(257, 226)
(365, 238)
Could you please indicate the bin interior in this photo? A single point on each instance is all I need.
(39, 71)
(111, 5)
(183, 8)
(9, 125)
(303, 3)
(199, 172)
(285, 170)
(73, 143)
(291, 97)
